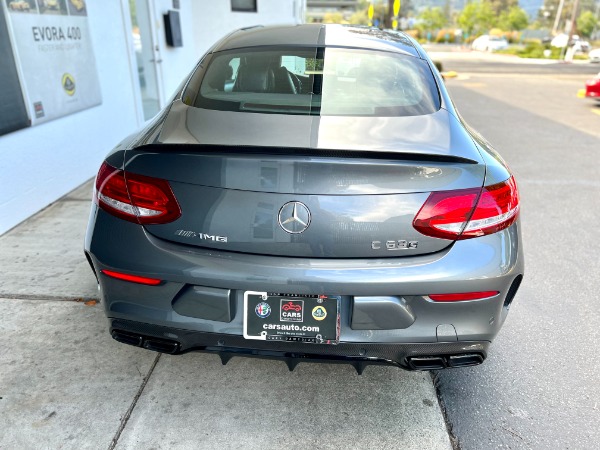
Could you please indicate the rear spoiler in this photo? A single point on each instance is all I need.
(310, 152)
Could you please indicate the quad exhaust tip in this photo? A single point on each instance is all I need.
(444, 361)
(149, 343)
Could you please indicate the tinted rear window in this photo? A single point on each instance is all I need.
(317, 81)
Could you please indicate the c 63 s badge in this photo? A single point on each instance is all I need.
(394, 245)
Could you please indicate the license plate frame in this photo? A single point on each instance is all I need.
(277, 317)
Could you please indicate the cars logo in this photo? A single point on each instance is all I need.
(319, 312)
(294, 217)
(292, 311)
(291, 306)
(263, 310)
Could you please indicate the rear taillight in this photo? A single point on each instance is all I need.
(469, 213)
(136, 198)
(465, 296)
(131, 278)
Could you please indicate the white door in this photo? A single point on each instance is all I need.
(147, 56)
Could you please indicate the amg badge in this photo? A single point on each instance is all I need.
(202, 236)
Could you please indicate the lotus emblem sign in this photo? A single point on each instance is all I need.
(294, 217)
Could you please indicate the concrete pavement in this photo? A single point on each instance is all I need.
(64, 383)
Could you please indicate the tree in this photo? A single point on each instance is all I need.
(502, 6)
(383, 12)
(467, 19)
(405, 8)
(587, 23)
(431, 19)
(486, 16)
(552, 7)
(334, 17)
(359, 18)
(477, 17)
(516, 19)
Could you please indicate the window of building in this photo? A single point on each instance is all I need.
(243, 5)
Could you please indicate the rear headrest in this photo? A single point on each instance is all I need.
(255, 75)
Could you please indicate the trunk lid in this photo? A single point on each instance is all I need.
(330, 187)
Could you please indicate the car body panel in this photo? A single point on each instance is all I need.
(592, 88)
(579, 45)
(363, 179)
(489, 43)
(231, 202)
(432, 134)
(490, 262)
(315, 34)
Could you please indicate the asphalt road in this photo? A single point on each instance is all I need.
(539, 388)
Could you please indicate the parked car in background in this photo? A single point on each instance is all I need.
(592, 88)
(487, 43)
(579, 45)
(594, 55)
(310, 194)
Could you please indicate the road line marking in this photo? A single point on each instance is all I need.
(595, 111)
(450, 74)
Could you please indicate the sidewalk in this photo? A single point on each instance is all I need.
(64, 383)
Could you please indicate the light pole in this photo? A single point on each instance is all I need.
(557, 19)
(569, 55)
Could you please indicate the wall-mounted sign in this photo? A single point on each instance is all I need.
(13, 115)
(53, 50)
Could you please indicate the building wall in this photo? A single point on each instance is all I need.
(177, 62)
(317, 9)
(40, 164)
(269, 12)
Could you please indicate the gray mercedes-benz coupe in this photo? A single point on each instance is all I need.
(310, 194)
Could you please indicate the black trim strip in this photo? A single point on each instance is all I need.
(244, 150)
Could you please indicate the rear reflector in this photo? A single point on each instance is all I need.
(136, 198)
(469, 213)
(462, 297)
(131, 278)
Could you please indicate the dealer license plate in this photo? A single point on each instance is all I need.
(271, 316)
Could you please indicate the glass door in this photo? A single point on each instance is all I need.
(147, 56)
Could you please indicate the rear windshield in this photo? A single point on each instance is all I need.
(317, 81)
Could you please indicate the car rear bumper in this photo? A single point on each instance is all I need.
(384, 301)
(409, 356)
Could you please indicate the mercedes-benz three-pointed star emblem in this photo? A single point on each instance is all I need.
(294, 217)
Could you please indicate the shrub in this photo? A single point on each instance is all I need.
(534, 49)
(444, 36)
(512, 37)
(413, 33)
